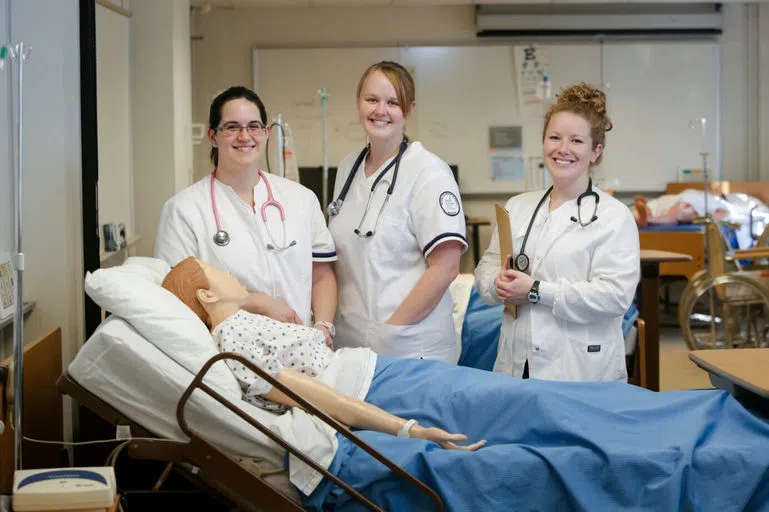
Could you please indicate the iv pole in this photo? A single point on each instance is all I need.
(18, 53)
(324, 180)
(281, 146)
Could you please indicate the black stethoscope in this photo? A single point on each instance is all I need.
(335, 206)
(521, 262)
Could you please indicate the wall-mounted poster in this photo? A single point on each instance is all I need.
(7, 292)
(532, 73)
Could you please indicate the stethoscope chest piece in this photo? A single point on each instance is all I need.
(221, 238)
(334, 207)
(521, 262)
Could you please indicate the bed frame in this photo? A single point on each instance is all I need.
(692, 243)
(214, 468)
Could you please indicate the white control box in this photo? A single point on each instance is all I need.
(81, 489)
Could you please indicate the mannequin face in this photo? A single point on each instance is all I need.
(223, 286)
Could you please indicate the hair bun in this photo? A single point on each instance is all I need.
(588, 97)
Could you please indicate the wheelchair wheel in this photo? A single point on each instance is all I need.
(728, 311)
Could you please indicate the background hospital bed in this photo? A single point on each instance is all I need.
(690, 239)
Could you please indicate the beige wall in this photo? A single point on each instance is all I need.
(221, 56)
(763, 91)
(160, 106)
(52, 216)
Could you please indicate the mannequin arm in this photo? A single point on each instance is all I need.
(357, 413)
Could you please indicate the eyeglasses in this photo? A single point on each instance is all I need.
(233, 129)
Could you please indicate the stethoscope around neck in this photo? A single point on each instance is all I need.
(521, 262)
(335, 206)
(222, 238)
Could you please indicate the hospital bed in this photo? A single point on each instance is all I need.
(690, 239)
(564, 461)
(127, 381)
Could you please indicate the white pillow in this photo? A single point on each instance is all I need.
(132, 292)
(155, 269)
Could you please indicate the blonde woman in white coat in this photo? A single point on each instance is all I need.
(577, 259)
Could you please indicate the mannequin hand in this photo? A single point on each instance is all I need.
(513, 286)
(280, 311)
(443, 438)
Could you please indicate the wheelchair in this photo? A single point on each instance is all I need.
(727, 304)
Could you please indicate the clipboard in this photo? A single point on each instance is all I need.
(505, 246)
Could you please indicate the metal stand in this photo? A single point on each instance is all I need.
(324, 180)
(18, 54)
(706, 188)
(281, 146)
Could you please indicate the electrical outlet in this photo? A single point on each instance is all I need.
(123, 432)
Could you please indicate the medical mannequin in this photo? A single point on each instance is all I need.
(576, 258)
(267, 230)
(683, 208)
(399, 229)
(218, 298)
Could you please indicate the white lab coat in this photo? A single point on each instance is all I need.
(375, 275)
(588, 277)
(187, 228)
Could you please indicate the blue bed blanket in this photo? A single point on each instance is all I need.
(556, 446)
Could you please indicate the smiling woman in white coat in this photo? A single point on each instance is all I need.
(267, 230)
(399, 230)
(576, 261)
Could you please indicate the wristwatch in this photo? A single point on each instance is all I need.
(327, 325)
(534, 293)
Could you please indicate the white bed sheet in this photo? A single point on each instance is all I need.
(128, 372)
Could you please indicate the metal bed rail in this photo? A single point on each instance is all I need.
(196, 440)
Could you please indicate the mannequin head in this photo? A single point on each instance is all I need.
(206, 290)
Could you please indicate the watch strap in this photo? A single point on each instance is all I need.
(327, 325)
(404, 431)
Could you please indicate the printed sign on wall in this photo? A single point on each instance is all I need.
(532, 72)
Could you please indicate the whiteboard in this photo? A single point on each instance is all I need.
(654, 91)
(113, 108)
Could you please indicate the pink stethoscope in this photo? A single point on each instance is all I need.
(222, 238)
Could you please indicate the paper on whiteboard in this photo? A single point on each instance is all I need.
(507, 166)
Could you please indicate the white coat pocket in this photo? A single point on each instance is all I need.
(587, 359)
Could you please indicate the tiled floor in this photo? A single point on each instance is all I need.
(676, 370)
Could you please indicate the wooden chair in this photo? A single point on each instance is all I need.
(636, 362)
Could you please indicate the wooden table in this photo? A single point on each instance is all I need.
(473, 223)
(739, 370)
(650, 308)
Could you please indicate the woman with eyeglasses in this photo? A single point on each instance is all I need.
(399, 229)
(576, 258)
(268, 231)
